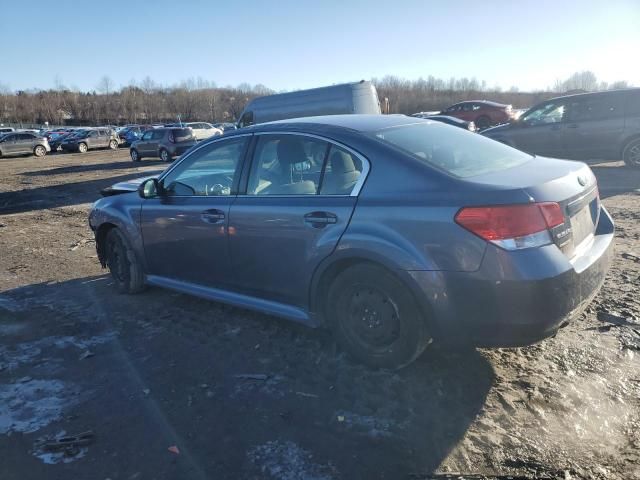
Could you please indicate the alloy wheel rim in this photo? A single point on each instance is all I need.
(634, 154)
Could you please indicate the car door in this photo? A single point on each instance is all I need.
(540, 131)
(595, 124)
(92, 139)
(143, 145)
(9, 145)
(184, 229)
(288, 221)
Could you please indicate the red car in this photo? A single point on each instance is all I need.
(481, 112)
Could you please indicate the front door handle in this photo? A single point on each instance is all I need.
(212, 216)
(320, 219)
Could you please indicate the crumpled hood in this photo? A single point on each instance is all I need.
(124, 187)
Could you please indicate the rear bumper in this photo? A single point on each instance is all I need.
(517, 298)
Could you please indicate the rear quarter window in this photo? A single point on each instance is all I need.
(455, 151)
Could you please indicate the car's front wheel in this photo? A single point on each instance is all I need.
(631, 153)
(125, 268)
(39, 151)
(375, 318)
(482, 122)
(135, 156)
(113, 144)
(82, 148)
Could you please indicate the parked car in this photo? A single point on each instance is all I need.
(601, 125)
(90, 139)
(22, 143)
(165, 143)
(203, 130)
(392, 231)
(225, 127)
(456, 122)
(56, 142)
(130, 134)
(359, 97)
(481, 112)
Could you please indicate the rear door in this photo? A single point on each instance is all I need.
(23, 143)
(9, 145)
(143, 145)
(92, 139)
(595, 125)
(541, 130)
(292, 214)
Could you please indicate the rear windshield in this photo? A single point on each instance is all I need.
(182, 134)
(452, 149)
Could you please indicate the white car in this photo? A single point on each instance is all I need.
(202, 130)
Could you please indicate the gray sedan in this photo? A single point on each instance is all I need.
(23, 143)
(392, 231)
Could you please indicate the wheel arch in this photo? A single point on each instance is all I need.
(626, 142)
(333, 266)
(101, 236)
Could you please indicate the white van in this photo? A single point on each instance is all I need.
(359, 97)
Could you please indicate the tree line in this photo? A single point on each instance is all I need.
(200, 100)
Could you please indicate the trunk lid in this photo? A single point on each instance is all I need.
(570, 184)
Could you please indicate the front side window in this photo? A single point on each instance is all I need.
(147, 136)
(545, 114)
(156, 135)
(454, 150)
(287, 165)
(208, 171)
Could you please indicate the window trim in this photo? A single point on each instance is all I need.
(366, 167)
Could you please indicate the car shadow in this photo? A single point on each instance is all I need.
(239, 393)
(60, 195)
(614, 178)
(97, 167)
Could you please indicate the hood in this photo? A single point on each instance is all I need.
(124, 187)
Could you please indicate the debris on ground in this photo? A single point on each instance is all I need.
(174, 449)
(86, 354)
(631, 256)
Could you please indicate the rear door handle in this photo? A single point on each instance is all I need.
(320, 219)
(212, 216)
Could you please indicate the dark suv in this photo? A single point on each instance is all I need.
(602, 125)
(165, 143)
(89, 139)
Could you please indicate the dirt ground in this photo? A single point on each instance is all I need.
(243, 395)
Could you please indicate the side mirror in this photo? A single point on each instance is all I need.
(150, 188)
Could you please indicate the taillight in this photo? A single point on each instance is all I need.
(512, 226)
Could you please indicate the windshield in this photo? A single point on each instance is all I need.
(454, 150)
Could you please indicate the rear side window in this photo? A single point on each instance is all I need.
(341, 173)
(454, 150)
(595, 107)
(632, 102)
(182, 134)
(287, 165)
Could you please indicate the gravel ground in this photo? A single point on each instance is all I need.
(175, 387)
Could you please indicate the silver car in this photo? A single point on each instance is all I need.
(23, 143)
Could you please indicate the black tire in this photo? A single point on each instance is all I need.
(125, 268)
(631, 153)
(113, 144)
(39, 151)
(164, 155)
(482, 122)
(375, 318)
(82, 147)
(135, 156)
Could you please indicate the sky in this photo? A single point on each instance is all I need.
(294, 44)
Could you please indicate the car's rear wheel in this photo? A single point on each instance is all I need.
(375, 318)
(482, 122)
(631, 153)
(135, 156)
(125, 269)
(82, 148)
(39, 151)
(113, 144)
(165, 156)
